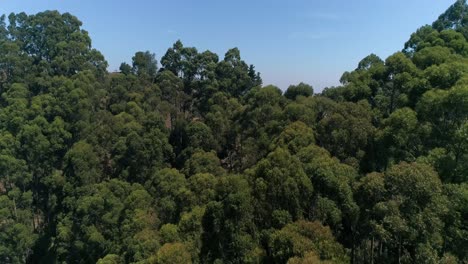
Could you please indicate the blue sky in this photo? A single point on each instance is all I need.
(289, 41)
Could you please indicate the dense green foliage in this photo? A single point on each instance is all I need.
(196, 162)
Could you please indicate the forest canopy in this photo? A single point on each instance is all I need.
(187, 158)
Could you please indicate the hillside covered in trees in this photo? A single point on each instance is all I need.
(188, 159)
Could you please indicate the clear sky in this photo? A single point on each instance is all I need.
(288, 41)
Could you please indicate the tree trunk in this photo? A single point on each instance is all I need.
(14, 209)
(399, 250)
(381, 248)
